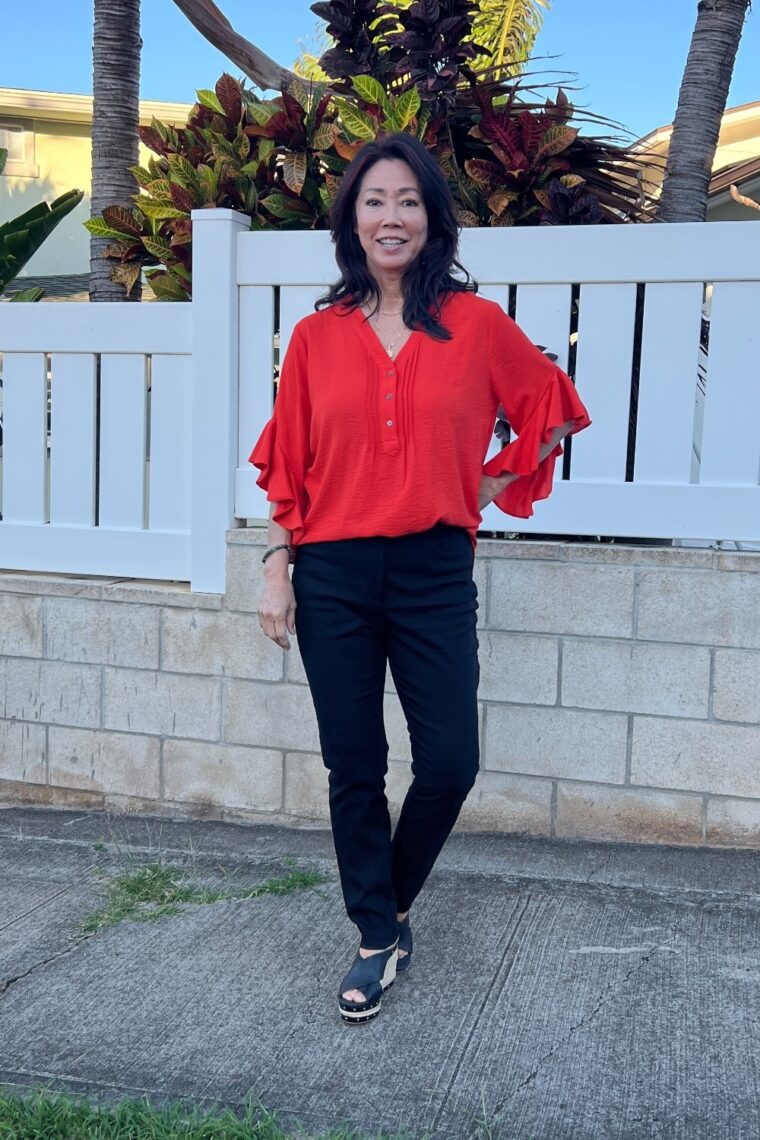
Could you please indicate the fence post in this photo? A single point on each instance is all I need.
(215, 392)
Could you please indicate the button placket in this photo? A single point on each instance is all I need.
(389, 428)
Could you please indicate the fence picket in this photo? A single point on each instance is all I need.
(171, 426)
(24, 438)
(668, 383)
(543, 314)
(72, 439)
(256, 387)
(123, 414)
(731, 431)
(603, 376)
(296, 301)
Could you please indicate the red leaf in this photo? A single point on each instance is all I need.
(123, 220)
(321, 108)
(295, 111)
(279, 126)
(152, 139)
(532, 127)
(182, 198)
(228, 93)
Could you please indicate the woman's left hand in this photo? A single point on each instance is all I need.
(490, 487)
(493, 485)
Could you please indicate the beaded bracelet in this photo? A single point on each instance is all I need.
(280, 546)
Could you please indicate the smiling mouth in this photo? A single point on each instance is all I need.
(391, 243)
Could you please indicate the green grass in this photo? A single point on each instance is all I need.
(47, 1116)
(156, 890)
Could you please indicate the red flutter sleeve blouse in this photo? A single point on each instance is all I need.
(363, 445)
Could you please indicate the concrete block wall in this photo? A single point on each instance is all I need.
(620, 696)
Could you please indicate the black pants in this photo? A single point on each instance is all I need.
(409, 601)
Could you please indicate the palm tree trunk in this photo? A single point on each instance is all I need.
(701, 104)
(116, 109)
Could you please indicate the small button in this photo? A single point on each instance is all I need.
(389, 423)
(389, 395)
(390, 372)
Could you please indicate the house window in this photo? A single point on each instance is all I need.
(18, 139)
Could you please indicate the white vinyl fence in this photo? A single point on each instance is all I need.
(119, 428)
(127, 427)
(96, 439)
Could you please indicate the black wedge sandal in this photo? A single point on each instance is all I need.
(372, 976)
(404, 943)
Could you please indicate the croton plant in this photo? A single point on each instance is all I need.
(508, 161)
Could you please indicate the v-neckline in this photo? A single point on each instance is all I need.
(372, 338)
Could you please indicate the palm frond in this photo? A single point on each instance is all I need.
(307, 64)
(506, 30)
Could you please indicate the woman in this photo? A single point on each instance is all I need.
(373, 464)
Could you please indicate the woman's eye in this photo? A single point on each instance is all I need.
(378, 202)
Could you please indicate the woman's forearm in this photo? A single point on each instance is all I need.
(557, 436)
(277, 563)
(493, 485)
(277, 608)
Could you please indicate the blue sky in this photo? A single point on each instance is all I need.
(628, 57)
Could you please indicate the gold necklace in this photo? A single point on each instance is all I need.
(389, 348)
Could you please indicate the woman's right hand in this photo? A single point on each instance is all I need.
(277, 608)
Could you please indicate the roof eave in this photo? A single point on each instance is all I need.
(55, 106)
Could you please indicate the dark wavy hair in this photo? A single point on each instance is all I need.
(430, 276)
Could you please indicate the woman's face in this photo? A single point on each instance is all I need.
(391, 219)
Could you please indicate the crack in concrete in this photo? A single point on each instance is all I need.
(600, 869)
(9, 982)
(587, 1018)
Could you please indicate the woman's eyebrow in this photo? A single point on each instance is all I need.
(382, 190)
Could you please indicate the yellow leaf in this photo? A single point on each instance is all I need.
(499, 201)
(555, 140)
(126, 275)
(294, 171)
(323, 137)
(467, 218)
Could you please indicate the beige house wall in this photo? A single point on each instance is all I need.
(60, 127)
(618, 699)
(62, 153)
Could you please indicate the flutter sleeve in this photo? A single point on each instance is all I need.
(537, 397)
(282, 452)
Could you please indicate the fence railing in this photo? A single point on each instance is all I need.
(126, 428)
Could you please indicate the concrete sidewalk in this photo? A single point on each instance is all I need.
(561, 991)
